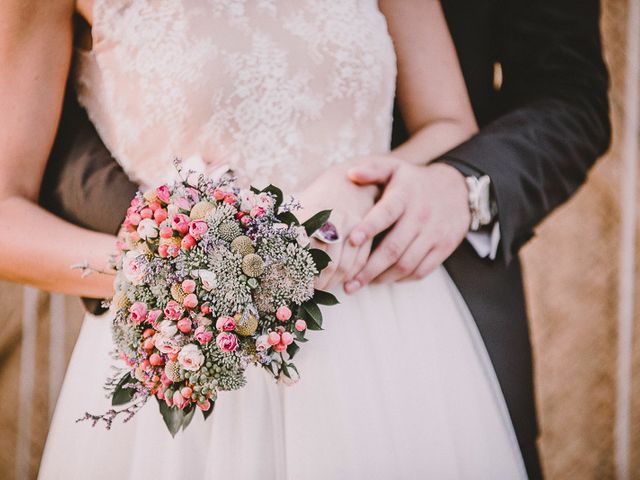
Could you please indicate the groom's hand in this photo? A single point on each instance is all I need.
(426, 208)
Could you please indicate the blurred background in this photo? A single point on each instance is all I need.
(581, 276)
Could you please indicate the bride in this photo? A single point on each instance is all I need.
(289, 91)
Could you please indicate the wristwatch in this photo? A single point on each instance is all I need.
(481, 207)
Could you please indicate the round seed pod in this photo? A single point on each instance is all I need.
(252, 265)
(229, 230)
(246, 327)
(201, 209)
(177, 293)
(121, 301)
(172, 370)
(242, 245)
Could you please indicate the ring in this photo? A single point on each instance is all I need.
(327, 233)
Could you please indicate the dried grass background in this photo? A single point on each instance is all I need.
(571, 272)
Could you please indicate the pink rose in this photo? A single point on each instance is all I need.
(166, 345)
(197, 228)
(266, 201)
(227, 342)
(247, 200)
(183, 203)
(153, 316)
(257, 211)
(189, 286)
(190, 357)
(226, 324)
(173, 310)
(262, 343)
(201, 320)
(283, 313)
(202, 335)
(163, 193)
(190, 301)
(147, 229)
(180, 223)
(138, 312)
(134, 267)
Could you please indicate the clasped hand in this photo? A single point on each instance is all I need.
(422, 209)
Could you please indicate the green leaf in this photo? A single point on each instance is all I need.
(188, 416)
(313, 315)
(320, 258)
(288, 218)
(206, 413)
(255, 190)
(324, 298)
(292, 349)
(173, 417)
(277, 193)
(315, 222)
(122, 394)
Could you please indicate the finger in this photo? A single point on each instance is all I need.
(410, 260)
(362, 256)
(347, 258)
(375, 171)
(334, 251)
(388, 252)
(433, 260)
(381, 216)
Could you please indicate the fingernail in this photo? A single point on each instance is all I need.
(357, 238)
(351, 286)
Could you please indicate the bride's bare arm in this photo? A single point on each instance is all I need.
(35, 246)
(431, 91)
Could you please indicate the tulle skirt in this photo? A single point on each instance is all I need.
(397, 386)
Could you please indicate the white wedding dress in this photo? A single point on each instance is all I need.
(399, 384)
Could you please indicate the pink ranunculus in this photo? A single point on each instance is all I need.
(180, 223)
(178, 400)
(202, 335)
(186, 392)
(153, 316)
(205, 406)
(273, 338)
(163, 193)
(135, 202)
(138, 312)
(300, 325)
(227, 342)
(173, 310)
(230, 198)
(134, 267)
(183, 203)
(201, 320)
(287, 338)
(188, 285)
(160, 215)
(197, 228)
(190, 301)
(134, 219)
(190, 357)
(225, 324)
(188, 242)
(219, 194)
(283, 313)
(146, 213)
(167, 328)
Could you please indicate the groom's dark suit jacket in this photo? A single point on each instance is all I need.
(541, 131)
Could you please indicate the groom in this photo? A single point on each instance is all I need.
(543, 124)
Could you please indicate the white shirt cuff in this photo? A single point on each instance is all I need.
(486, 242)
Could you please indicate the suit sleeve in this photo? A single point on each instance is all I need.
(554, 120)
(83, 184)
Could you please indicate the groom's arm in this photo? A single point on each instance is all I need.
(555, 120)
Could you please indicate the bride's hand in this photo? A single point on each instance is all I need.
(348, 204)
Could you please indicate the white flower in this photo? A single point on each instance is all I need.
(262, 343)
(134, 267)
(190, 357)
(208, 279)
(265, 201)
(147, 228)
(166, 345)
(167, 328)
(301, 236)
(247, 200)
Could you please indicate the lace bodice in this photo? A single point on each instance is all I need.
(277, 89)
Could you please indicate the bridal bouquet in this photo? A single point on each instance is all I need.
(211, 278)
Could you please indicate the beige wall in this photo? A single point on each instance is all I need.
(571, 277)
